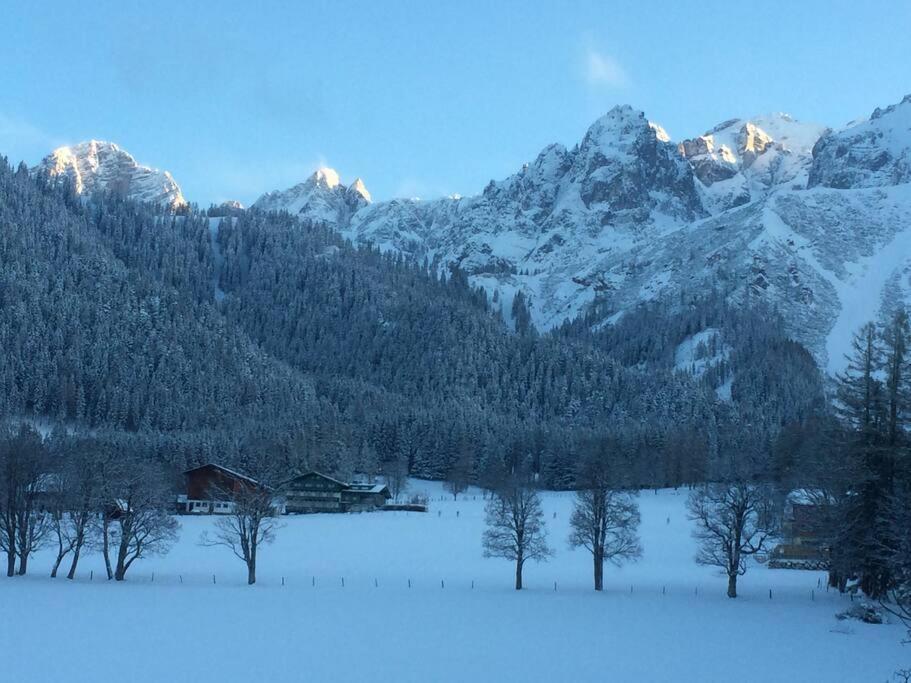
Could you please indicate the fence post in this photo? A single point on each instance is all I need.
(770, 593)
(313, 582)
(555, 586)
(442, 584)
(376, 584)
(409, 583)
(343, 582)
(180, 576)
(92, 575)
(283, 580)
(213, 578)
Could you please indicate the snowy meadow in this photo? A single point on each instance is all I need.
(409, 597)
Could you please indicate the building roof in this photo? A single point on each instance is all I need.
(345, 486)
(226, 470)
(320, 475)
(368, 488)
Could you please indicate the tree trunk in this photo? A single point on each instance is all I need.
(732, 585)
(72, 572)
(121, 569)
(60, 556)
(11, 563)
(106, 546)
(599, 571)
(518, 575)
(251, 561)
(122, 552)
(22, 550)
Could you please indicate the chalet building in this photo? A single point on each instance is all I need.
(210, 488)
(315, 492)
(803, 543)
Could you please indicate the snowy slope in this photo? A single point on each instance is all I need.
(103, 166)
(674, 625)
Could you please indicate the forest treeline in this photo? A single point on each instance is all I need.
(198, 335)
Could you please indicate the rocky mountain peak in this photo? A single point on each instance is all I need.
(753, 141)
(359, 189)
(741, 160)
(873, 153)
(325, 177)
(322, 197)
(625, 162)
(96, 166)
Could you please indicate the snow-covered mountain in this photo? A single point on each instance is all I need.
(103, 166)
(321, 197)
(815, 222)
(874, 153)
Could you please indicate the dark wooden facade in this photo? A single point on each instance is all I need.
(803, 543)
(210, 488)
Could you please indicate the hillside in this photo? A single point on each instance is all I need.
(205, 336)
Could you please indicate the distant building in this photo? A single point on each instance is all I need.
(315, 492)
(804, 544)
(211, 488)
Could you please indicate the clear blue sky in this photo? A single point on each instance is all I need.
(419, 98)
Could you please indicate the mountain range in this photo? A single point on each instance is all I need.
(813, 221)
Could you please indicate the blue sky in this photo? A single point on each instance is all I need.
(419, 98)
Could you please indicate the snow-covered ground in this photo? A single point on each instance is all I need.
(661, 619)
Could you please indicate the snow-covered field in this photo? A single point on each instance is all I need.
(661, 619)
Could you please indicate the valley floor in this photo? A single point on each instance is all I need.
(661, 619)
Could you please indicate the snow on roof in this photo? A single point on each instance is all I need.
(226, 470)
(368, 488)
(808, 497)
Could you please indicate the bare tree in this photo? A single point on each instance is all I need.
(23, 520)
(734, 521)
(9, 501)
(459, 475)
(138, 516)
(58, 512)
(252, 520)
(73, 500)
(515, 526)
(395, 474)
(109, 473)
(604, 520)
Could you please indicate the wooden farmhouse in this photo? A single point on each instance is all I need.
(803, 543)
(315, 492)
(210, 489)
